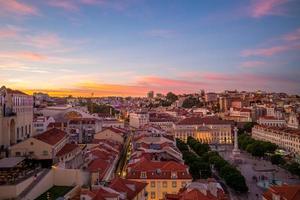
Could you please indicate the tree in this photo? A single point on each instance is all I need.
(237, 182)
(294, 168)
(191, 102)
(248, 126)
(171, 97)
(277, 160)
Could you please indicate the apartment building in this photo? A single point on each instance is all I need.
(162, 177)
(284, 137)
(16, 116)
(138, 119)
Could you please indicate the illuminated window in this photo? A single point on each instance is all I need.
(143, 175)
(152, 195)
(152, 183)
(164, 184)
(174, 184)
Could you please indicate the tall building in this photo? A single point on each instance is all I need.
(138, 119)
(16, 116)
(211, 97)
(150, 94)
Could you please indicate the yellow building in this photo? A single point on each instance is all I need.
(162, 177)
(44, 146)
(206, 129)
(111, 133)
(16, 116)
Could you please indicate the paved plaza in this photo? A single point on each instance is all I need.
(251, 167)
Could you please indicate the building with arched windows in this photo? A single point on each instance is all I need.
(209, 130)
(16, 116)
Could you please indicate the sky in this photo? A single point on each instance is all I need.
(129, 47)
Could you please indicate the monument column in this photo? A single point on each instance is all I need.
(235, 151)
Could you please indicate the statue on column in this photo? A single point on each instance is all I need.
(236, 151)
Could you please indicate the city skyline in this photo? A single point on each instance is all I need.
(127, 48)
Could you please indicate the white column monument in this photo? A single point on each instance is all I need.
(235, 152)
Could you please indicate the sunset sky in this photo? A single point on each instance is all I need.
(129, 47)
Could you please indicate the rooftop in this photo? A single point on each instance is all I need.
(285, 192)
(52, 136)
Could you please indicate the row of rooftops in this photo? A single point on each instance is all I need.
(155, 156)
(208, 189)
(204, 120)
(122, 189)
(279, 130)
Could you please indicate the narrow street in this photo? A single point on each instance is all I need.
(120, 169)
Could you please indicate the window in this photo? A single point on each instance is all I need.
(152, 195)
(164, 184)
(174, 184)
(18, 153)
(31, 143)
(164, 194)
(174, 175)
(143, 175)
(183, 183)
(45, 153)
(152, 183)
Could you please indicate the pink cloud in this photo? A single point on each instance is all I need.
(252, 64)
(93, 2)
(292, 36)
(218, 77)
(32, 56)
(64, 4)
(26, 55)
(166, 82)
(45, 40)
(260, 8)
(16, 7)
(267, 51)
(7, 33)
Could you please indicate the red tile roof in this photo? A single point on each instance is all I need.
(131, 188)
(150, 167)
(280, 130)
(100, 166)
(52, 136)
(119, 131)
(195, 194)
(203, 120)
(286, 192)
(67, 149)
(103, 194)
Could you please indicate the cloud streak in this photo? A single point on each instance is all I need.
(26, 55)
(64, 4)
(287, 42)
(261, 8)
(17, 7)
